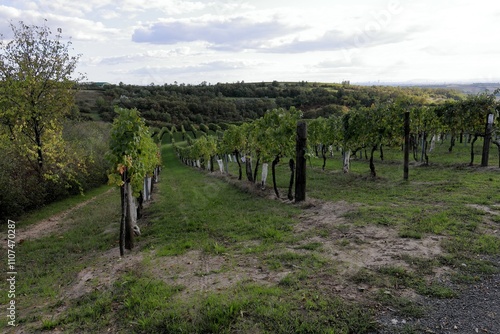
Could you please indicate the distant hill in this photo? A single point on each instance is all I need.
(167, 105)
(473, 88)
(466, 88)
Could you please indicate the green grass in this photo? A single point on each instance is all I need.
(196, 213)
(404, 306)
(48, 264)
(57, 207)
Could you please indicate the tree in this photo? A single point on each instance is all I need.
(425, 124)
(452, 120)
(317, 136)
(233, 141)
(278, 138)
(36, 94)
(475, 110)
(133, 155)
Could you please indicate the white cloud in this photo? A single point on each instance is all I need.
(212, 66)
(74, 27)
(234, 33)
(336, 40)
(217, 40)
(153, 55)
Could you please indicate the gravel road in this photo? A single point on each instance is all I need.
(475, 310)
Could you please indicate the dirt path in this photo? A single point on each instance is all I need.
(53, 225)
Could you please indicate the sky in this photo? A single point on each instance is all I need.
(193, 41)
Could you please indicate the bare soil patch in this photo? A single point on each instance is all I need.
(106, 269)
(491, 213)
(353, 248)
(199, 272)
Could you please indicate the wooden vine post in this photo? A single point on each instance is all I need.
(406, 146)
(300, 175)
(487, 139)
(123, 193)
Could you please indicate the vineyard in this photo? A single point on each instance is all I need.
(358, 132)
(188, 236)
(213, 258)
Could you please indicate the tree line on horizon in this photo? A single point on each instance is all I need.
(174, 105)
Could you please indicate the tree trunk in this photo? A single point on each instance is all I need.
(414, 146)
(273, 170)
(248, 168)
(256, 169)
(373, 173)
(140, 201)
(497, 143)
(237, 154)
(38, 143)
(300, 152)
(291, 164)
(487, 139)
(452, 142)
(472, 150)
(424, 146)
(426, 157)
(323, 152)
(381, 152)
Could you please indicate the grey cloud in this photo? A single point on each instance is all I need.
(338, 63)
(213, 66)
(235, 33)
(338, 40)
(141, 57)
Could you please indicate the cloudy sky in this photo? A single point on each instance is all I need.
(191, 41)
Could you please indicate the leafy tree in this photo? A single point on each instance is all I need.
(205, 147)
(133, 155)
(249, 133)
(318, 136)
(233, 141)
(425, 123)
(475, 109)
(451, 120)
(36, 94)
(278, 138)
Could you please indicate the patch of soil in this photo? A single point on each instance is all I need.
(485, 209)
(198, 271)
(107, 267)
(353, 248)
(491, 214)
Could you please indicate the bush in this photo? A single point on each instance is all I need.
(91, 141)
(22, 189)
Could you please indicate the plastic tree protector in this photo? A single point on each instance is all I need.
(221, 166)
(264, 174)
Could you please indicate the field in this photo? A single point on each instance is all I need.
(218, 255)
